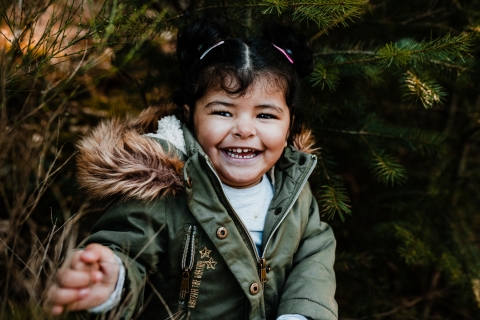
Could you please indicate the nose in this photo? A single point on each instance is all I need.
(244, 128)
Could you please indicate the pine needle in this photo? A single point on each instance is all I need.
(325, 13)
(427, 90)
(323, 75)
(387, 170)
(333, 197)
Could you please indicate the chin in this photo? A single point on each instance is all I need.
(245, 182)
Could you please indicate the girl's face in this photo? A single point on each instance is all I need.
(243, 136)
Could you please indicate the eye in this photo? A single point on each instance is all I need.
(266, 116)
(222, 113)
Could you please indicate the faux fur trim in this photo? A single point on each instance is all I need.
(305, 141)
(116, 160)
(170, 129)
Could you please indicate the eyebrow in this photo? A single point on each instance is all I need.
(223, 103)
(211, 104)
(269, 106)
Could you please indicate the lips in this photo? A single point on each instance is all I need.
(241, 153)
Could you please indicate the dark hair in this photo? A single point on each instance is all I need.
(235, 64)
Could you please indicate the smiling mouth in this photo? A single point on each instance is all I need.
(239, 153)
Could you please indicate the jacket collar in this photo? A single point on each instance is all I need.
(191, 144)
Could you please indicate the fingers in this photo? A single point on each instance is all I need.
(96, 253)
(65, 296)
(59, 298)
(89, 299)
(70, 278)
(56, 310)
(104, 260)
(87, 278)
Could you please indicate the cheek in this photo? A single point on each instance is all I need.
(276, 139)
(209, 135)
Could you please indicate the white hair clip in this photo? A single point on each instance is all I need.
(208, 50)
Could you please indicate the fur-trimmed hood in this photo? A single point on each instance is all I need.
(118, 159)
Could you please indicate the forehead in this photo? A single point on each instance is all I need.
(262, 87)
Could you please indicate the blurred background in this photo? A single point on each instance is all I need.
(394, 103)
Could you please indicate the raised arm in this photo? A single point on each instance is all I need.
(130, 231)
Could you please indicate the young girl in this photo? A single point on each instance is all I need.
(215, 218)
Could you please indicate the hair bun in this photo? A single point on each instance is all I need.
(197, 37)
(295, 45)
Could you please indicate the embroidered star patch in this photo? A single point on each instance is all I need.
(210, 264)
(205, 253)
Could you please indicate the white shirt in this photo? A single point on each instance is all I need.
(251, 205)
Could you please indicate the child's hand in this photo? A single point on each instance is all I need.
(86, 280)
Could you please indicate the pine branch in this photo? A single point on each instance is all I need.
(324, 75)
(387, 170)
(409, 51)
(422, 141)
(333, 197)
(325, 13)
(345, 52)
(427, 90)
(413, 250)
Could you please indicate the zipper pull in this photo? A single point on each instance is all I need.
(185, 286)
(263, 271)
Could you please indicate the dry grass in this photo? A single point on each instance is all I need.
(45, 47)
(52, 55)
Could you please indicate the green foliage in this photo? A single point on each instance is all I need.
(332, 197)
(323, 76)
(387, 170)
(450, 264)
(325, 13)
(425, 89)
(408, 51)
(412, 248)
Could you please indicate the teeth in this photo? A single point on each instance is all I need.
(234, 155)
(240, 150)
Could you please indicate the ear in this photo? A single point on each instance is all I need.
(186, 113)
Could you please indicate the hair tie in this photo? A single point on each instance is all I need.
(208, 50)
(284, 53)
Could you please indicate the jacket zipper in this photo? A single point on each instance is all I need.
(188, 251)
(261, 261)
(312, 167)
(231, 208)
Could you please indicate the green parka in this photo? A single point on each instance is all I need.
(174, 229)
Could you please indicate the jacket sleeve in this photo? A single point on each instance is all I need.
(133, 230)
(310, 287)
